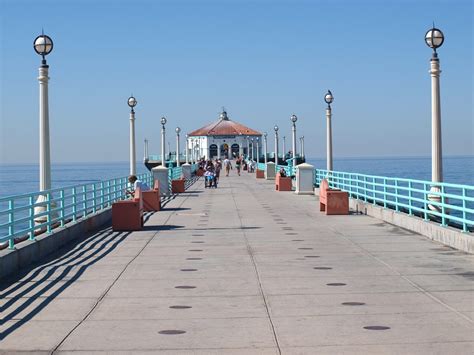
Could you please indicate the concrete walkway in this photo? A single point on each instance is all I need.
(243, 269)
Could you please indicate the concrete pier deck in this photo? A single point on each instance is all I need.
(243, 269)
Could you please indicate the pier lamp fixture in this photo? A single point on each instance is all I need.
(276, 145)
(293, 120)
(178, 131)
(132, 102)
(145, 151)
(186, 151)
(328, 98)
(283, 146)
(265, 147)
(434, 39)
(163, 141)
(252, 156)
(248, 147)
(43, 45)
(258, 157)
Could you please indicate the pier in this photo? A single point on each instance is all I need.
(243, 269)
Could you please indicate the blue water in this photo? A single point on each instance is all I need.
(23, 178)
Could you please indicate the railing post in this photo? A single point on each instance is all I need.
(425, 204)
(31, 222)
(443, 208)
(11, 226)
(94, 209)
(84, 200)
(365, 188)
(396, 196)
(374, 189)
(74, 204)
(48, 210)
(61, 212)
(464, 223)
(410, 195)
(102, 194)
(384, 192)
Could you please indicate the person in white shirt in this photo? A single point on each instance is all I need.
(227, 166)
(137, 184)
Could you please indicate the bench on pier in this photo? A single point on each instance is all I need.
(177, 186)
(127, 215)
(151, 198)
(259, 174)
(283, 183)
(333, 201)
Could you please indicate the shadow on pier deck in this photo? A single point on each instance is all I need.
(242, 269)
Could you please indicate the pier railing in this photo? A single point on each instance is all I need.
(23, 217)
(450, 204)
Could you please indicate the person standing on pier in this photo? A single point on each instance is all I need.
(227, 166)
(237, 165)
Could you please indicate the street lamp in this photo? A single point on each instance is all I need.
(265, 147)
(163, 122)
(302, 147)
(132, 102)
(284, 148)
(145, 151)
(293, 120)
(276, 145)
(178, 130)
(43, 45)
(252, 148)
(186, 151)
(258, 158)
(434, 38)
(248, 147)
(328, 98)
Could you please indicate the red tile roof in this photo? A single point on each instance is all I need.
(224, 127)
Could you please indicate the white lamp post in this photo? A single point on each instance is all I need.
(293, 119)
(265, 147)
(248, 147)
(328, 98)
(258, 158)
(284, 148)
(132, 102)
(276, 145)
(434, 38)
(187, 149)
(252, 156)
(178, 130)
(163, 122)
(43, 45)
(145, 151)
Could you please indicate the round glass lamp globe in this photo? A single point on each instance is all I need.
(178, 130)
(43, 44)
(163, 120)
(275, 128)
(328, 98)
(434, 38)
(293, 118)
(132, 102)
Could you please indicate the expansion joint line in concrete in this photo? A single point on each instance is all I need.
(414, 284)
(99, 300)
(249, 250)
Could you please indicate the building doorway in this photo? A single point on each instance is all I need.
(234, 150)
(212, 151)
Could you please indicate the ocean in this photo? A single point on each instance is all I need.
(23, 178)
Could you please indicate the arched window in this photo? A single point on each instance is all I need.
(235, 150)
(212, 151)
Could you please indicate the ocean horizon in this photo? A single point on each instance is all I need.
(22, 178)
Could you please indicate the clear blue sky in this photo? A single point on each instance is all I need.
(262, 60)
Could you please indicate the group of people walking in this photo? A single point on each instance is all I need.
(212, 168)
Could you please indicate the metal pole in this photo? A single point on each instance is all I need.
(284, 147)
(436, 144)
(328, 139)
(132, 143)
(45, 155)
(163, 160)
(187, 149)
(177, 150)
(265, 149)
(248, 148)
(276, 148)
(252, 150)
(258, 158)
(293, 128)
(145, 151)
(302, 146)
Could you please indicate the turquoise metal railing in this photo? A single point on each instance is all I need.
(261, 166)
(455, 206)
(60, 206)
